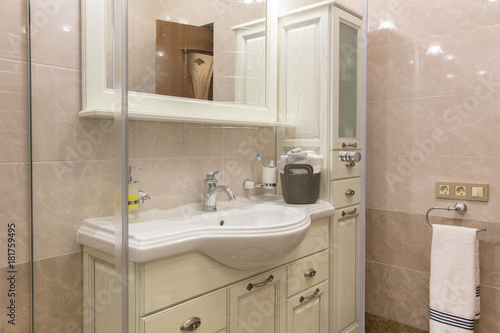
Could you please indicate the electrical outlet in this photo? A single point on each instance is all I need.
(461, 191)
(444, 189)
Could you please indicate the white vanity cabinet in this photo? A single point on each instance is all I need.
(319, 56)
(193, 288)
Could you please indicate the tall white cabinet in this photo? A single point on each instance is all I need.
(320, 92)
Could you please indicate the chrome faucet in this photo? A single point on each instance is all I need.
(211, 190)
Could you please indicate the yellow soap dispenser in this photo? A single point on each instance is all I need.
(133, 190)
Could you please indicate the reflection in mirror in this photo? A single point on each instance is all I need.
(203, 49)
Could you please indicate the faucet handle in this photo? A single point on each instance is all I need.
(213, 174)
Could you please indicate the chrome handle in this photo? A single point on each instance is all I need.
(311, 272)
(351, 212)
(303, 298)
(191, 324)
(352, 145)
(350, 192)
(213, 174)
(351, 157)
(260, 284)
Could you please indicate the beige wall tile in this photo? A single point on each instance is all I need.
(441, 125)
(58, 133)
(14, 209)
(13, 39)
(13, 111)
(489, 321)
(22, 298)
(397, 293)
(478, 13)
(398, 239)
(410, 20)
(64, 194)
(248, 142)
(182, 11)
(58, 294)
(55, 33)
(175, 140)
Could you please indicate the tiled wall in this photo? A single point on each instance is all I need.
(433, 114)
(14, 171)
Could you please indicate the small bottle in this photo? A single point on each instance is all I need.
(133, 190)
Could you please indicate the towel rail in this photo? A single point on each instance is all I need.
(460, 207)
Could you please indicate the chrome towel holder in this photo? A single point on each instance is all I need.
(460, 207)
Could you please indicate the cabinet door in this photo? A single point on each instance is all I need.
(101, 286)
(256, 305)
(346, 85)
(345, 273)
(308, 311)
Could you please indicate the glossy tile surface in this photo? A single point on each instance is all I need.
(433, 114)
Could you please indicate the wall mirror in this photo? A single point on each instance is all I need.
(206, 61)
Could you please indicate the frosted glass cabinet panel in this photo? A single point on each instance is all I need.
(346, 85)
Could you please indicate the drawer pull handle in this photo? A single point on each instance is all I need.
(303, 298)
(260, 284)
(350, 192)
(351, 212)
(311, 272)
(351, 145)
(191, 324)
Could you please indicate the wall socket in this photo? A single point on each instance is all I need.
(464, 191)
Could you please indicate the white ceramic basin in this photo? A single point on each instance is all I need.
(246, 233)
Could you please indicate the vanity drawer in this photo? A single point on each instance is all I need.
(343, 169)
(210, 309)
(307, 272)
(346, 192)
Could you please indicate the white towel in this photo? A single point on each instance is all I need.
(316, 161)
(454, 281)
(299, 156)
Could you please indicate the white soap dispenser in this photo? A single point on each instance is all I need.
(133, 190)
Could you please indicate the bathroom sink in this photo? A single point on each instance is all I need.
(246, 233)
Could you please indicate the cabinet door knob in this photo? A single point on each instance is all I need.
(311, 272)
(303, 298)
(191, 324)
(350, 192)
(260, 284)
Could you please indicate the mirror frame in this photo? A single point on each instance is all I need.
(98, 101)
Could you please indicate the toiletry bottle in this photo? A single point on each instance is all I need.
(133, 190)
